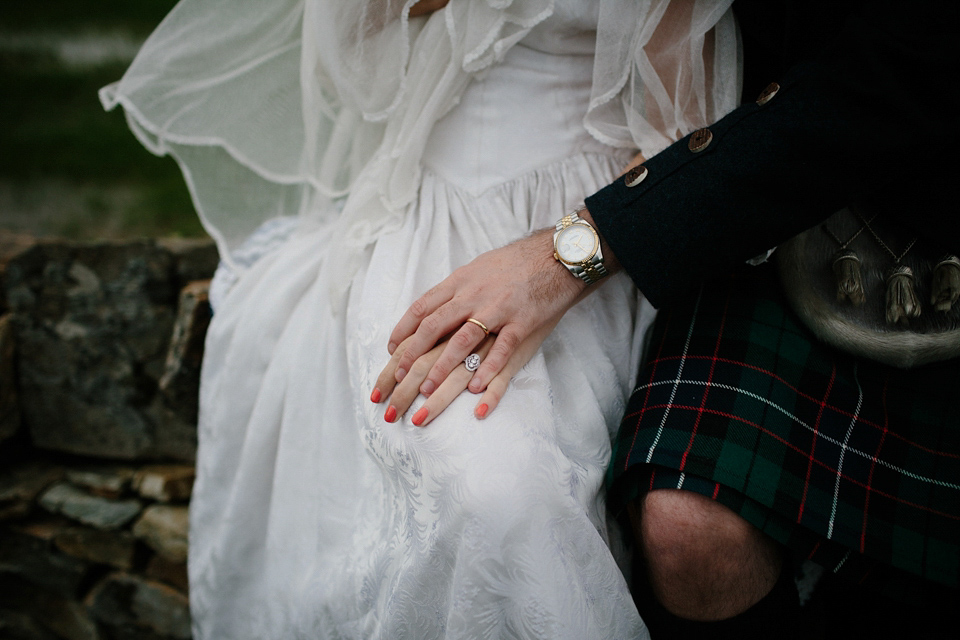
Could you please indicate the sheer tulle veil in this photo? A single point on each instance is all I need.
(281, 108)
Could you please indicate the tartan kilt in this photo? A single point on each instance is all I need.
(850, 463)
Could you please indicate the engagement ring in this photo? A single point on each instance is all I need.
(472, 362)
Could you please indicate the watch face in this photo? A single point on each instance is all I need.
(577, 243)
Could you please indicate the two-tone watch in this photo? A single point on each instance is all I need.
(576, 245)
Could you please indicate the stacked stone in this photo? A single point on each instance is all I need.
(103, 557)
(100, 349)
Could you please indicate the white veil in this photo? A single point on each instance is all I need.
(662, 69)
(277, 108)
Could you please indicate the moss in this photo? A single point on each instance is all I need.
(55, 131)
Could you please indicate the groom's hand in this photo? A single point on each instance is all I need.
(513, 291)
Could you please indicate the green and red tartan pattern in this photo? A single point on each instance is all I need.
(826, 453)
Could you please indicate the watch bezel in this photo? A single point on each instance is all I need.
(577, 263)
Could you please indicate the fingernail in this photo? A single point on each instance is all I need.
(481, 410)
(419, 417)
(391, 348)
(399, 374)
(427, 387)
(391, 414)
(375, 396)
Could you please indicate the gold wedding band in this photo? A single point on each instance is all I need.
(486, 331)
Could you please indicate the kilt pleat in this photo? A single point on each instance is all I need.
(849, 462)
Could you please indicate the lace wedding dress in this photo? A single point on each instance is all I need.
(312, 517)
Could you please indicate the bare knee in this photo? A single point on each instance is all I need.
(704, 562)
(684, 531)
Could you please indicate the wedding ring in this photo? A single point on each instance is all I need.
(486, 331)
(472, 362)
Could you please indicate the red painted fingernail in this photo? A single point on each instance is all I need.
(419, 417)
(481, 409)
(391, 414)
(375, 396)
(427, 387)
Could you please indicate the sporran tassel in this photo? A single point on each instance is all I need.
(902, 303)
(846, 270)
(945, 288)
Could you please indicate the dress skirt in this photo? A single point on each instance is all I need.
(314, 518)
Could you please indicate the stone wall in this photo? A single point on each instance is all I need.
(100, 350)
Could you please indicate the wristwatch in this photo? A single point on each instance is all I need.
(576, 245)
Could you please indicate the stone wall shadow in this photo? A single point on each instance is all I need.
(100, 352)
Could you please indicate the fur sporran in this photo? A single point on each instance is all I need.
(864, 286)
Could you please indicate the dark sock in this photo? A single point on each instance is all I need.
(776, 615)
(853, 611)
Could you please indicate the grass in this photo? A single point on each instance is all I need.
(138, 17)
(62, 152)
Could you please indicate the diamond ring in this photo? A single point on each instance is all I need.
(472, 362)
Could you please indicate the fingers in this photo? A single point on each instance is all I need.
(386, 381)
(511, 360)
(498, 385)
(407, 390)
(444, 320)
(508, 340)
(461, 344)
(518, 358)
(491, 397)
(421, 308)
(448, 390)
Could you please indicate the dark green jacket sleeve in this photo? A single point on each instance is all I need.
(872, 116)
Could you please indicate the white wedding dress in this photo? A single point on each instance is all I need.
(312, 517)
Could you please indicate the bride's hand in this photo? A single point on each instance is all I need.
(402, 394)
(514, 291)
